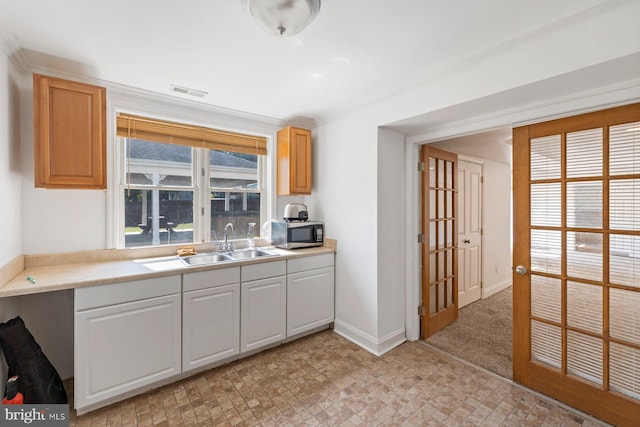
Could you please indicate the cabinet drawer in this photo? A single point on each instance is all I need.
(117, 293)
(211, 278)
(310, 263)
(264, 270)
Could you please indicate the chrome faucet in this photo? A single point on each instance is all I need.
(227, 246)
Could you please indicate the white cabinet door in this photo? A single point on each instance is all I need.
(264, 312)
(126, 346)
(211, 325)
(310, 300)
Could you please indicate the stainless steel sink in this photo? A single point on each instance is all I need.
(204, 259)
(216, 257)
(250, 253)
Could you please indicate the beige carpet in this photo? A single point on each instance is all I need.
(482, 334)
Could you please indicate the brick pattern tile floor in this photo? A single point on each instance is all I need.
(325, 380)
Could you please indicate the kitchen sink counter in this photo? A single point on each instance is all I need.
(45, 273)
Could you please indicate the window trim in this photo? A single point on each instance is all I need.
(115, 202)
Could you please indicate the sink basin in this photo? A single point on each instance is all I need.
(203, 259)
(250, 253)
(216, 257)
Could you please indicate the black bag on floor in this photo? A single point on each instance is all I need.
(39, 381)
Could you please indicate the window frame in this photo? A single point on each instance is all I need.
(206, 181)
(200, 187)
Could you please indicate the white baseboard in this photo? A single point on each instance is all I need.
(494, 289)
(366, 341)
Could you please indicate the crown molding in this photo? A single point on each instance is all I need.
(12, 49)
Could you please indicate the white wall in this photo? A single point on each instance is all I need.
(391, 235)
(56, 220)
(344, 197)
(49, 317)
(496, 239)
(10, 160)
(10, 181)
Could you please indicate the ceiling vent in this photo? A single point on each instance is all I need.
(187, 91)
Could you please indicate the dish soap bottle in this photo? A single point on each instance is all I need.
(251, 242)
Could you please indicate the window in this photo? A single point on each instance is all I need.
(176, 189)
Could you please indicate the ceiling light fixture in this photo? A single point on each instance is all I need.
(282, 17)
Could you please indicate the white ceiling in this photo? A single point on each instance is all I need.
(355, 52)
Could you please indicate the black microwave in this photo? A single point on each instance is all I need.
(297, 234)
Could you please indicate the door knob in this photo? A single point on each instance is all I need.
(467, 241)
(521, 269)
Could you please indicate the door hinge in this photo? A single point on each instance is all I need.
(420, 310)
(202, 171)
(420, 166)
(482, 180)
(420, 238)
(202, 211)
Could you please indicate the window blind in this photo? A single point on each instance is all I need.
(156, 130)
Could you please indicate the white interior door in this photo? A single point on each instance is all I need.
(469, 232)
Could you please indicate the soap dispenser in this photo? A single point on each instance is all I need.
(251, 243)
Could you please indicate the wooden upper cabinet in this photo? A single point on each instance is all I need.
(294, 161)
(69, 133)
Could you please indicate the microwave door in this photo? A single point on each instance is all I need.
(301, 234)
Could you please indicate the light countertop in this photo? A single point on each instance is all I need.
(59, 272)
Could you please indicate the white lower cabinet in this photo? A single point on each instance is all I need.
(130, 336)
(263, 305)
(211, 317)
(130, 343)
(310, 293)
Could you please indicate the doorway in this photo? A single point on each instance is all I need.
(482, 333)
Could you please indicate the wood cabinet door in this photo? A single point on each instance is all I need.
(125, 347)
(294, 161)
(211, 325)
(69, 133)
(264, 312)
(300, 161)
(309, 300)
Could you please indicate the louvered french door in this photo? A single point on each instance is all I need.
(577, 252)
(440, 247)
